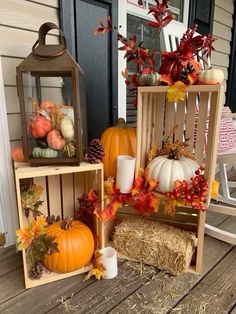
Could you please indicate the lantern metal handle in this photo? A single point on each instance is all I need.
(42, 50)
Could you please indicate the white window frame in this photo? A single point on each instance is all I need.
(124, 8)
(8, 208)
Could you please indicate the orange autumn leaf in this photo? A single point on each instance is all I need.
(24, 238)
(109, 186)
(152, 185)
(92, 196)
(38, 226)
(152, 153)
(109, 212)
(139, 182)
(166, 79)
(125, 73)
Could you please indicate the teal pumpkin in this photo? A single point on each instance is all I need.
(44, 153)
(151, 79)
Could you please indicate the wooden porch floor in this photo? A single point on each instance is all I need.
(134, 290)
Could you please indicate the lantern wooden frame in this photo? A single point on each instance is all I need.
(51, 61)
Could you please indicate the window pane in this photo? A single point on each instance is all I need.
(176, 7)
(134, 27)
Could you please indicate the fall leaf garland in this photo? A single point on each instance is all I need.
(142, 197)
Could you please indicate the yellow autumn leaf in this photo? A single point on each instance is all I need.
(176, 92)
(215, 190)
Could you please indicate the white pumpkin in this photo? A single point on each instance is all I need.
(166, 171)
(67, 128)
(211, 76)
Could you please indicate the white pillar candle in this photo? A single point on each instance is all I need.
(125, 173)
(109, 261)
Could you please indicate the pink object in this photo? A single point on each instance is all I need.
(227, 136)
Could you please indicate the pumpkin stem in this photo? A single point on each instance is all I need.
(66, 224)
(121, 123)
(173, 154)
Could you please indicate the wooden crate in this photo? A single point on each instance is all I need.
(156, 117)
(62, 185)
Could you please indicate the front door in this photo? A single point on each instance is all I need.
(97, 55)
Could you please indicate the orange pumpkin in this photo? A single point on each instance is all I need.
(39, 126)
(75, 244)
(56, 140)
(117, 140)
(17, 154)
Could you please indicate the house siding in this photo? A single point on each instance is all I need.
(222, 30)
(19, 24)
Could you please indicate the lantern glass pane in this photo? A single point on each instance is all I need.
(49, 114)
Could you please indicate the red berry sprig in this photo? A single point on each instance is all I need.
(191, 193)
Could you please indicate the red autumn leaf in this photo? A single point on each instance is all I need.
(103, 28)
(146, 71)
(154, 24)
(167, 20)
(147, 203)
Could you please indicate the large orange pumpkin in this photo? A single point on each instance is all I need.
(117, 140)
(75, 244)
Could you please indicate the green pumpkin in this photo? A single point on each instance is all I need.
(151, 79)
(44, 153)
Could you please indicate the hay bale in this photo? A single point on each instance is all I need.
(155, 243)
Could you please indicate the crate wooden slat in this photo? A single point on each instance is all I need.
(156, 117)
(62, 185)
(200, 111)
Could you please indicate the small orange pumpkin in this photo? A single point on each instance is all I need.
(117, 140)
(75, 244)
(55, 139)
(17, 154)
(39, 126)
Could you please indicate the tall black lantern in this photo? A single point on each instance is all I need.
(52, 101)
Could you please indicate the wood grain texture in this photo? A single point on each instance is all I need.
(50, 3)
(9, 260)
(222, 45)
(164, 291)
(14, 123)
(222, 31)
(12, 100)
(220, 15)
(26, 15)
(227, 5)
(13, 283)
(16, 42)
(220, 59)
(102, 295)
(40, 299)
(220, 298)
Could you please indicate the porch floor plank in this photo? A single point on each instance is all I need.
(130, 292)
(103, 295)
(216, 293)
(165, 291)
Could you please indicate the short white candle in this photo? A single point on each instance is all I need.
(109, 261)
